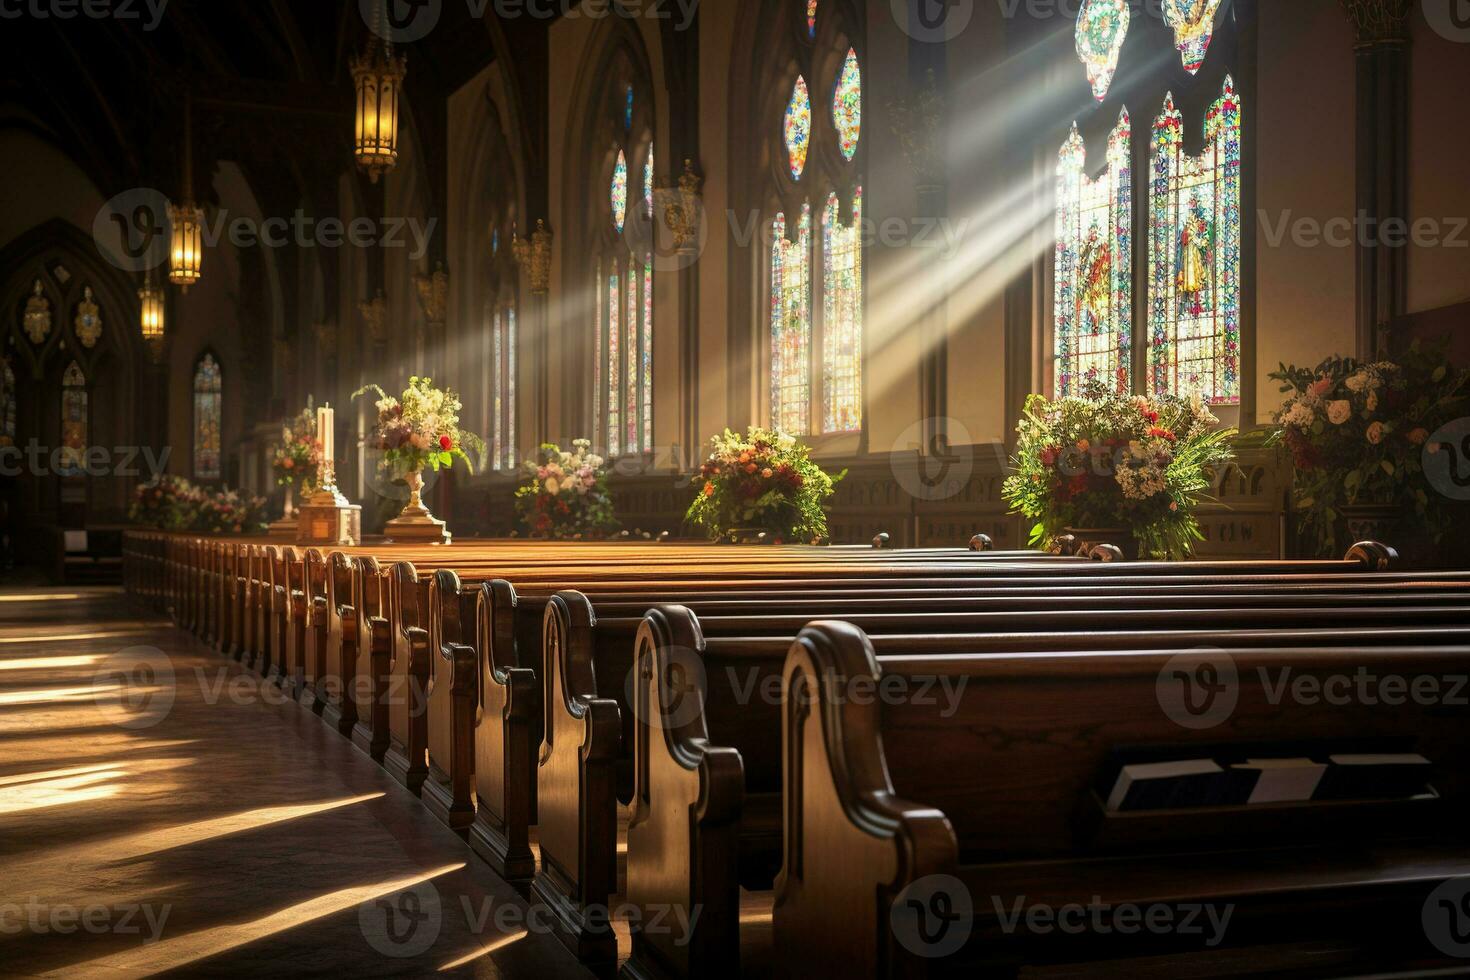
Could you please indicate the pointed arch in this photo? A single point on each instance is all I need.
(798, 122)
(610, 148)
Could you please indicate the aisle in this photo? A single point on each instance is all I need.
(162, 810)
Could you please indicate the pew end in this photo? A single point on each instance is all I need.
(507, 739)
(580, 743)
(684, 831)
(848, 837)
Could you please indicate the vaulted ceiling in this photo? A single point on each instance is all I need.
(269, 80)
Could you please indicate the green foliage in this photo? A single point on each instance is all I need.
(763, 480)
(1357, 431)
(565, 495)
(172, 503)
(1103, 461)
(420, 429)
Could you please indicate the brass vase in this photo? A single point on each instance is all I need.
(414, 524)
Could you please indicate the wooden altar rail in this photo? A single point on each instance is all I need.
(405, 648)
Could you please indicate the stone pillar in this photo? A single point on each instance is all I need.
(1382, 28)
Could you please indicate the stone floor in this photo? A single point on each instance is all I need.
(164, 812)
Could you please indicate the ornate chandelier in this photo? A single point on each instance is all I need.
(378, 79)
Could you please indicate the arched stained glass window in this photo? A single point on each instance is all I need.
(798, 127)
(503, 388)
(842, 316)
(648, 183)
(1193, 22)
(619, 193)
(847, 106)
(1094, 266)
(791, 325)
(815, 263)
(1102, 26)
(7, 403)
(622, 399)
(1194, 256)
(811, 18)
(74, 419)
(208, 406)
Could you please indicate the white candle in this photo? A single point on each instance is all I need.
(324, 435)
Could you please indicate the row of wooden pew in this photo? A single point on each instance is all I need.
(891, 749)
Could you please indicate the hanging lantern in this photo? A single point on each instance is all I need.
(150, 317)
(187, 248)
(378, 78)
(186, 220)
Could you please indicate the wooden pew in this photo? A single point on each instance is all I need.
(696, 831)
(1010, 810)
(341, 636)
(372, 685)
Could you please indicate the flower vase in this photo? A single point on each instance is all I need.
(415, 524)
(286, 526)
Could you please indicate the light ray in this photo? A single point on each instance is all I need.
(180, 951)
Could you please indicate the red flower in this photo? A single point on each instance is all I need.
(1158, 432)
(445, 442)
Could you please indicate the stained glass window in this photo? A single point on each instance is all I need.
(624, 401)
(791, 326)
(7, 404)
(1094, 266)
(647, 352)
(614, 361)
(798, 127)
(842, 317)
(811, 18)
(628, 109)
(1102, 26)
(503, 389)
(73, 419)
(619, 195)
(847, 105)
(511, 341)
(648, 183)
(208, 404)
(1194, 256)
(1193, 22)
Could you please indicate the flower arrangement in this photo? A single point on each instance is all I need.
(174, 504)
(420, 430)
(565, 494)
(1357, 434)
(1114, 461)
(297, 458)
(763, 480)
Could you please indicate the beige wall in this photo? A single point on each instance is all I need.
(1305, 293)
(1439, 159)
